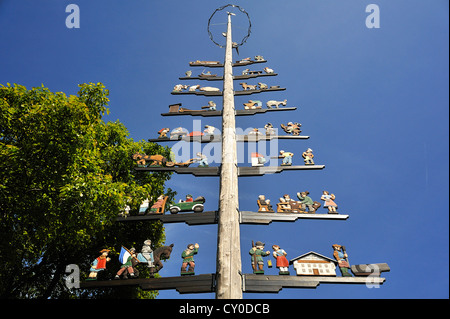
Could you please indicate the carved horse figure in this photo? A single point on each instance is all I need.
(158, 254)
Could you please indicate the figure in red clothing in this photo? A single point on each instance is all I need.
(282, 263)
(99, 264)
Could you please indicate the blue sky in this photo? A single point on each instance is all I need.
(373, 101)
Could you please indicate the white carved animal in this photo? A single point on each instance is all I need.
(209, 89)
(268, 71)
(271, 103)
(193, 88)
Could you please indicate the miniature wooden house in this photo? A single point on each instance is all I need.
(314, 264)
(257, 159)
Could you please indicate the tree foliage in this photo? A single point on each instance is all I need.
(65, 175)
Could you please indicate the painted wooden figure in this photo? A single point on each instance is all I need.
(329, 202)
(257, 252)
(272, 103)
(188, 259)
(287, 158)
(308, 157)
(126, 256)
(253, 104)
(146, 254)
(282, 263)
(179, 87)
(163, 132)
(210, 107)
(268, 70)
(209, 130)
(292, 128)
(269, 129)
(307, 204)
(342, 258)
(99, 264)
(264, 205)
(177, 132)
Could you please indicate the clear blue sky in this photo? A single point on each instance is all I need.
(373, 101)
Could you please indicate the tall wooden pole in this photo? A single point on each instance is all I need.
(228, 272)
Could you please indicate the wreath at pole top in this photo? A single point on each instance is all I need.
(241, 10)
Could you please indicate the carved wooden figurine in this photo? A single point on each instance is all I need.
(209, 130)
(211, 106)
(179, 87)
(202, 160)
(342, 258)
(188, 259)
(253, 104)
(287, 158)
(329, 202)
(177, 132)
(146, 254)
(264, 205)
(269, 129)
(192, 88)
(246, 86)
(257, 252)
(126, 256)
(198, 62)
(209, 89)
(158, 206)
(282, 263)
(160, 253)
(207, 74)
(308, 157)
(163, 132)
(271, 103)
(288, 205)
(99, 264)
(292, 128)
(156, 160)
(254, 132)
(306, 202)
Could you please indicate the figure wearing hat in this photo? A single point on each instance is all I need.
(188, 259)
(128, 265)
(99, 264)
(287, 157)
(202, 160)
(308, 157)
(306, 201)
(163, 132)
(257, 254)
(342, 258)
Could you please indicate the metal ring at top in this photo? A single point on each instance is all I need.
(249, 25)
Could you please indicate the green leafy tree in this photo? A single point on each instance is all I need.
(65, 175)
